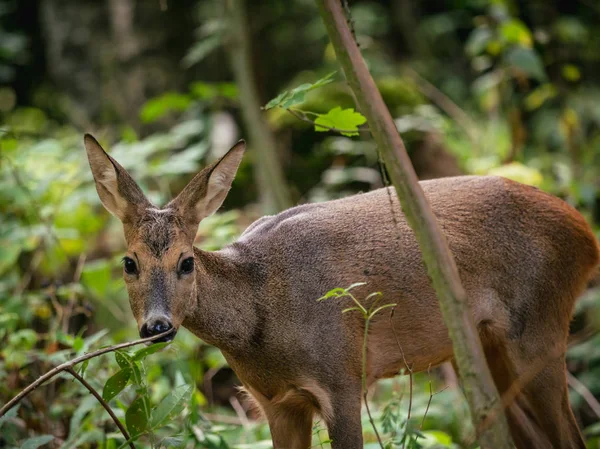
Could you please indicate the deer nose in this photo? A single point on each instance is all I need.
(155, 326)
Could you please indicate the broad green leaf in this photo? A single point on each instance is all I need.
(126, 362)
(116, 384)
(78, 344)
(170, 406)
(96, 276)
(141, 354)
(136, 416)
(293, 97)
(526, 61)
(519, 172)
(35, 442)
(345, 120)
(157, 107)
(516, 32)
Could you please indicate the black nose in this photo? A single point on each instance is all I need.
(157, 326)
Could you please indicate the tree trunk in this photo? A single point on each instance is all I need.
(274, 192)
(108, 57)
(480, 390)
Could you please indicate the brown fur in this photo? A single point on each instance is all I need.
(523, 256)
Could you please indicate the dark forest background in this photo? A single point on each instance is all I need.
(475, 87)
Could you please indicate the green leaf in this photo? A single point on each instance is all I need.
(78, 344)
(293, 97)
(350, 309)
(9, 414)
(170, 406)
(335, 292)
(356, 284)
(201, 50)
(116, 384)
(83, 367)
(126, 362)
(346, 120)
(478, 40)
(526, 61)
(516, 32)
(35, 442)
(169, 442)
(141, 354)
(157, 107)
(85, 406)
(136, 416)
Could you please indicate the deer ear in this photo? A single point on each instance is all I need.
(119, 193)
(207, 190)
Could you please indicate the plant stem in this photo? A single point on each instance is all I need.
(480, 389)
(65, 366)
(109, 410)
(364, 380)
(274, 191)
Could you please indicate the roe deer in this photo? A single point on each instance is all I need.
(523, 255)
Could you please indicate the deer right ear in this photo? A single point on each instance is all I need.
(207, 190)
(119, 193)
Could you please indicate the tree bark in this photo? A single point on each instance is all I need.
(479, 387)
(274, 191)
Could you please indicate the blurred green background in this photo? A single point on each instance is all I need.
(475, 86)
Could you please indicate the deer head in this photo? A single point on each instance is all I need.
(159, 267)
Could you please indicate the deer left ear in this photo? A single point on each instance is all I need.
(206, 192)
(117, 190)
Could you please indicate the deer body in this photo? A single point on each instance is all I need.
(523, 256)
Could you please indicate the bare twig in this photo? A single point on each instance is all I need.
(447, 105)
(239, 410)
(73, 296)
(364, 381)
(70, 364)
(33, 265)
(371, 419)
(431, 395)
(92, 390)
(408, 368)
(584, 392)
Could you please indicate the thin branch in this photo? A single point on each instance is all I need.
(408, 368)
(584, 392)
(109, 410)
(70, 364)
(239, 410)
(447, 105)
(364, 380)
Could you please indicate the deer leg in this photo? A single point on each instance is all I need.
(547, 394)
(534, 390)
(291, 427)
(344, 425)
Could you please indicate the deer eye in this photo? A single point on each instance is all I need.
(129, 266)
(187, 265)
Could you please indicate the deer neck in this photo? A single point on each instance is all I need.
(225, 311)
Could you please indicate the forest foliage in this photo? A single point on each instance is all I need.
(480, 86)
